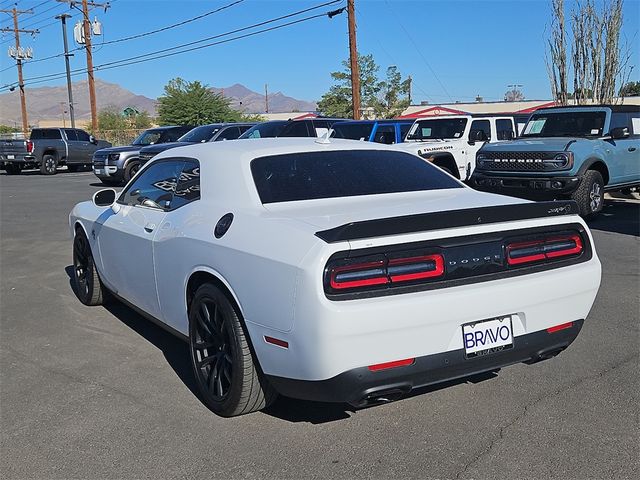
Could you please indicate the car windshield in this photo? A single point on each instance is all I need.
(332, 174)
(565, 124)
(265, 130)
(200, 134)
(148, 137)
(352, 131)
(440, 128)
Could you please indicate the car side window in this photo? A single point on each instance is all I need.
(155, 185)
(297, 128)
(82, 136)
(404, 129)
(385, 134)
(482, 125)
(619, 119)
(504, 129)
(230, 133)
(634, 120)
(188, 186)
(71, 134)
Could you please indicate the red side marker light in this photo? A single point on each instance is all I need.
(557, 328)
(387, 365)
(276, 341)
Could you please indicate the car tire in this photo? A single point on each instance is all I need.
(12, 169)
(131, 170)
(590, 194)
(88, 286)
(49, 165)
(228, 378)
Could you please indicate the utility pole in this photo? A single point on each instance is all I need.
(63, 19)
(86, 24)
(266, 99)
(410, 81)
(353, 56)
(20, 55)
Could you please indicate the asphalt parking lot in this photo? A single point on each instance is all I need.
(96, 393)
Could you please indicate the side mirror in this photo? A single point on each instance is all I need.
(93, 140)
(104, 198)
(619, 132)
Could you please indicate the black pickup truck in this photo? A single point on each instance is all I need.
(49, 148)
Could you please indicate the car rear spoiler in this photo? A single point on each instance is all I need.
(423, 222)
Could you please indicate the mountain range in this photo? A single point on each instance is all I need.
(48, 103)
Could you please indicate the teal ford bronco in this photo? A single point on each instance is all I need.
(566, 152)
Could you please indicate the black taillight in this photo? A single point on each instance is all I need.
(383, 270)
(528, 252)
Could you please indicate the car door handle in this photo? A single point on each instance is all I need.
(149, 227)
(632, 149)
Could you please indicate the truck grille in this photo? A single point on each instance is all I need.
(515, 161)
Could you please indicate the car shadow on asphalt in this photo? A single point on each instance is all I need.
(618, 216)
(176, 352)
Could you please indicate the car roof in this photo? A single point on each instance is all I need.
(226, 166)
(371, 122)
(613, 108)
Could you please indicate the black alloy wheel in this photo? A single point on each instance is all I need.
(88, 286)
(212, 349)
(229, 381)
(49, 165)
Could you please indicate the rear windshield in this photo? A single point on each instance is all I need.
(48, 134)
(353, 131)
(315, 175)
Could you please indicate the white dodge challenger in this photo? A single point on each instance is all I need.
(334, 271)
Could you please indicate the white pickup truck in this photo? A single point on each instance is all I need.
(452, 141)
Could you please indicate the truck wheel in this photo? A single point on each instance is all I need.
(131, 170)
(12, 169)
(228, 378)
(49, 165)
(88, 286)
(590, 194)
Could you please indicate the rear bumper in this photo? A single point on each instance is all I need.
(527, 186)
(18, 158)
(362, 387)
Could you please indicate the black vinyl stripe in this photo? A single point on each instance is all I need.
(447, 219)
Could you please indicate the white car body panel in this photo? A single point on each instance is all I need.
(272, 263)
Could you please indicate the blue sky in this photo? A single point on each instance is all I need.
(454, 50)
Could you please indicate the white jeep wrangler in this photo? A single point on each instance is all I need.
(451, 141)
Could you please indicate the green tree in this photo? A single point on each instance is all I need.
(394, 94)
(192, 103)
(110, 118)
(4, 129)
(630, 89)
(337, 101)
(141, 120)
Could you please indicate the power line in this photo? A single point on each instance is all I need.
(435, 75)
(189, 44)
(159, 54)
(140, 35)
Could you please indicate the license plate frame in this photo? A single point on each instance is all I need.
(500, 344)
